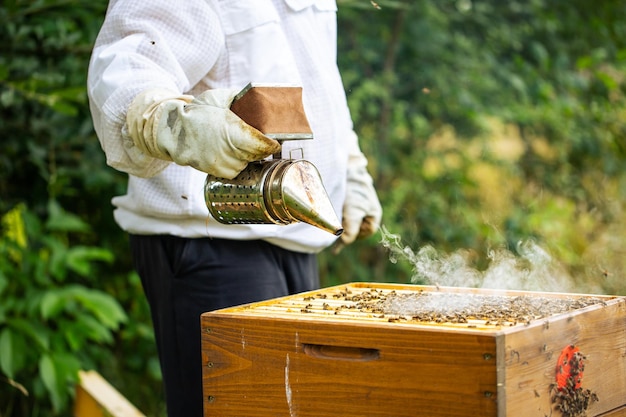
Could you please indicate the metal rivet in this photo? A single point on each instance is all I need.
(487, 356)
(210, 364)
(488, 394)
(210, 399)
(208, 330)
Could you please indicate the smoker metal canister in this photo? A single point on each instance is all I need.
(278, 191)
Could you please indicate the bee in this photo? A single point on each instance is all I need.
(605, 272)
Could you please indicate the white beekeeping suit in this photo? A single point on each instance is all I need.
(216, 45)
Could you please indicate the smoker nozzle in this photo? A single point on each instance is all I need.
(280, 191)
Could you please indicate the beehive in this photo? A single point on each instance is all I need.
(366, 349)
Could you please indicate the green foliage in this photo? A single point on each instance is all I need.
(75, 262)
(488, 122)
(485, 123)
(51, 322)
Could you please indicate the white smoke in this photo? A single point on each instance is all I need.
(531, 269)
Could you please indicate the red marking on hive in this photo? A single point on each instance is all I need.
(570, 366)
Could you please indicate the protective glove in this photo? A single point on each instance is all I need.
(362, 211)
(201, 132)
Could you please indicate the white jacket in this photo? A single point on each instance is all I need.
(193, 45)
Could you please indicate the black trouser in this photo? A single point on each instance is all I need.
(183, 278)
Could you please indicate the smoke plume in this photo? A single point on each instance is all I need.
(531, 268)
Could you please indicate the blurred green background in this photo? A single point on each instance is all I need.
(487, 123)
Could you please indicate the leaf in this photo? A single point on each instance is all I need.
(57, 255)
(3, 282)
(61, 220)
(13, 352)
(75, 94)
(92, 329)
(58, 371)
(79, 258)
(50, 378)
(67, 366)
(609, 82)
(61, 106)
(52, 303)
(31, 329)
(104, 307)
(75, 339)
(6, 353)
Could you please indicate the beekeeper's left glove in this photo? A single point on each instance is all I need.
(201, 132)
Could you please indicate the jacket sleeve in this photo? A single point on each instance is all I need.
(147, 44)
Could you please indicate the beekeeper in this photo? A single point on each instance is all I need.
(161, 79)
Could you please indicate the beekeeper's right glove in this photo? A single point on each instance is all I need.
(201, 132)
(362, 212)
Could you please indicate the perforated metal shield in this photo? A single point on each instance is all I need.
(279, 191)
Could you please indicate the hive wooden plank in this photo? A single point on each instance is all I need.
(95, 397)
(528, 358)
(261, 367)
(619, 412)
(313, 355)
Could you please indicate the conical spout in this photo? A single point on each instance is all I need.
(279, 191)
(305, 197)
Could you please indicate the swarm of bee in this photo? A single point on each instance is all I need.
(456, 308)
(571, 399)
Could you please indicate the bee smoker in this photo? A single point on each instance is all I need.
(273, 191)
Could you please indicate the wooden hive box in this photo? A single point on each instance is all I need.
(334, 352)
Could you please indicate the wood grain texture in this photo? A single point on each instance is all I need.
(272, 359)
(619, 412)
